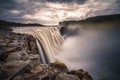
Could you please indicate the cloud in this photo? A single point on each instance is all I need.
(21, 1)
(7, 4)
(54, 11)
(65, 1)
(15, 11)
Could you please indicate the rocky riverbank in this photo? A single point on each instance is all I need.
(20, 60)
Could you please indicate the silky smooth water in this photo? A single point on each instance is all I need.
(48, 39)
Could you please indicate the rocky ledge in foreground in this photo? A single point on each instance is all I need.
(20, 60)
(35, 71)
(15, 47)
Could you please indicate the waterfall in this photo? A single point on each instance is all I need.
(49, 41)
(42, 56)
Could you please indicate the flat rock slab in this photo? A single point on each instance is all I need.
(15, 56)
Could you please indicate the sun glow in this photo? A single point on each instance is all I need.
(56, 12)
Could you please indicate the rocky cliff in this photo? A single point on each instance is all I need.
(20, 60)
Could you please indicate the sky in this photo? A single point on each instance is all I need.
(51, 12)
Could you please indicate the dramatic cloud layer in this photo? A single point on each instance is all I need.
(53, 11)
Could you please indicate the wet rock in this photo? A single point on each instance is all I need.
(19, 60)
(15, 56)
(12, 49)
(23, 77)
(8, 70)
(13, 44)
(40, 72)
(20, 43)
(60, 66)
(57, 68)
(6, 53)
(81, 74)
(34, 73)
(33, 70)
(33, 57)
(24, 55)
(64, 76)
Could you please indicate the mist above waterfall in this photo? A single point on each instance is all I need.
(95, 50)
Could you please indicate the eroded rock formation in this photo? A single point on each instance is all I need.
(20, 60)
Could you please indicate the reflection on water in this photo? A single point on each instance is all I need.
(97, 51)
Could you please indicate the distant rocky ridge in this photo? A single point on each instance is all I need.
(6, 25)
(11, 24)
(114, 19)
(105, 21)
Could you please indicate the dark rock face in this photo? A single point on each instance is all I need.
(9, 69)
(16, 52)
(32, 70)
(14, 47)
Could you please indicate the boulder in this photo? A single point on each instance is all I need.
(81, 74)
(65, 76)
(57, 68)
(60, 66)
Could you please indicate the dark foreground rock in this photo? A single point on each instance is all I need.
(32, 70)
(15, 47)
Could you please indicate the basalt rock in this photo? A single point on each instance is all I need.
(15, 46)
(81, 74)
(33, 57)
(59, 66)
(9, 69)
(64, 76)
(15, 56)
(35, 71)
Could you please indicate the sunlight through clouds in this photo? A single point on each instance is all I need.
(54, 11)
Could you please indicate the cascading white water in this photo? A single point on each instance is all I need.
(48, 40)
(42, 56)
